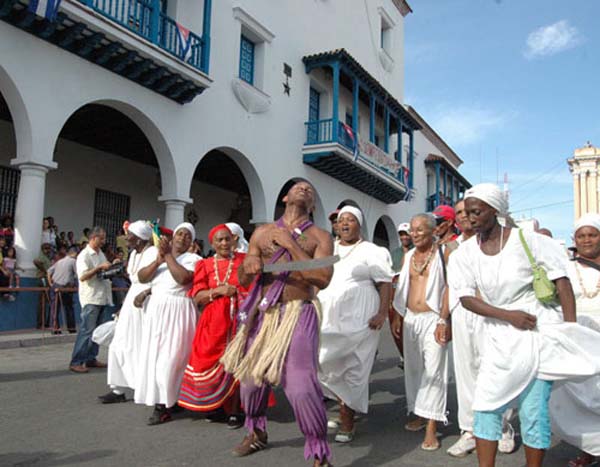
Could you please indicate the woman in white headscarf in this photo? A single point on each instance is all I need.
(355, 307)
(575, 407)
(170, 323)
(124, 350)
(238, 236)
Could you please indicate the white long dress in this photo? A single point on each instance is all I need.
(167, 337)
(575, 406)
(124, 350)
(348, 345)
(512, 358)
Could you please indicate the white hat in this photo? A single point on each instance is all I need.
(187, 226)
(354, 211)
(404, 227)
(141, 229)
(588, 220)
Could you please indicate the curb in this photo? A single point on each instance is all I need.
(37, 341)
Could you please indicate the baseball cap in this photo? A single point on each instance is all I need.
(404, 227)
(333, 215)
(444, 212)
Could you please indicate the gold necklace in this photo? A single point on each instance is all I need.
(421, 269)
(227, 274)
(351, 249)
(586, 294)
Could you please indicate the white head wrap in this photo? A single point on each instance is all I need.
(141, 229)
(236, 229)
(189, 227)
(490, 194)
(354, 211)
(588, 220)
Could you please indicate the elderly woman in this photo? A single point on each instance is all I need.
(355, 307)
(170, 323)
(240, 243)
(124, 350)
(216, 288)
(575, 407)
(527, 344)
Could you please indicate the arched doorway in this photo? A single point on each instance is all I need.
(9, 176)
(318, 214)
(384, 234)
(108, 171)
(223, 190)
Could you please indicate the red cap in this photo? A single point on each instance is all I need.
(445, 212)
(333, 215)
(215, 229)
(165, 231)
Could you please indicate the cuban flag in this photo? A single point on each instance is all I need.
(348, 129)
(44, 8)
(185, 42)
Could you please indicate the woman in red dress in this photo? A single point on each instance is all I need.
(216, 289)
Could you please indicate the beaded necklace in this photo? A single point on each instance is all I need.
(351, 249)
(586, 294)
(421, 269)
(227, 274)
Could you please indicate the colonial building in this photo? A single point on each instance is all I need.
(585, 166)
(208, 112)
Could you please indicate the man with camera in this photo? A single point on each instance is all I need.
(95, 296)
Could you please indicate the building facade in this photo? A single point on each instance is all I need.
(585, 167)
(208, 111)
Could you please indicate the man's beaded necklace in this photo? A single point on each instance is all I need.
(421, 269)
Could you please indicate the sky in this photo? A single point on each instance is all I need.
(513, 87)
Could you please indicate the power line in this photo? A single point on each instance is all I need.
(542, 206)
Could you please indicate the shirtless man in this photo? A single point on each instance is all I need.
(419, 299)
(284, 350)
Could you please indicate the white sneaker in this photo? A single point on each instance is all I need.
(507, 444)
(333, 423)
(463, 447)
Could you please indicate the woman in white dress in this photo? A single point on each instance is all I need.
(169, 325)
(575, 406)
(355, 307)
(124, 350)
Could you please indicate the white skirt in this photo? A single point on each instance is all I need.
(167, 337)
(124, 350)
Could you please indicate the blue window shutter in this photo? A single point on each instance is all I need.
(247, 60)
(314, 105)
(349, 119)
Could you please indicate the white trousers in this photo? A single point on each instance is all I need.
(425, 367)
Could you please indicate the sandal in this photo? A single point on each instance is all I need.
(159, 416)
(254, 442)
(416, 425)
(434, 447)
(584, 460)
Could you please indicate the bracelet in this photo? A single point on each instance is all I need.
(443, 321)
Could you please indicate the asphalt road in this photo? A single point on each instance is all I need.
(50, 417)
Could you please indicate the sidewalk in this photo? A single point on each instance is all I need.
(33, 338)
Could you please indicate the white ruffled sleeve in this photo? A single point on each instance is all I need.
(379, 261)
(189, 260)
(461, 279)
(549, 254)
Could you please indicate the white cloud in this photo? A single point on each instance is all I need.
(552, 39)
(466, 125)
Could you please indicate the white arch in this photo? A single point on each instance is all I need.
(18, 112)
(156, 138)
(255, 186)
(390, 230)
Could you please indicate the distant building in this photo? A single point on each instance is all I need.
(584, 166)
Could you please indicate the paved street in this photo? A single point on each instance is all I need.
(50, 417)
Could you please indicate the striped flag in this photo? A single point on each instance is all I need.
(350, 133)
(185, 42)
(44, 8)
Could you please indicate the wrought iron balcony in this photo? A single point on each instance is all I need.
(342, 154)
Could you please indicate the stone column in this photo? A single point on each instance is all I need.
(576, 195)
(29, 213)
(584, 192)
(174, 211)
(593, 192)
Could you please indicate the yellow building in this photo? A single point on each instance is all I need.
(584, 166)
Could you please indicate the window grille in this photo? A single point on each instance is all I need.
(110, 211)
(9, 188)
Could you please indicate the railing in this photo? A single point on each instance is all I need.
(321, 132)
(144, 18)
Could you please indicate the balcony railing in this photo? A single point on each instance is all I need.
(144, 18)
(321, 132)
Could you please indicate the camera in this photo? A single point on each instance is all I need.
(115, 270)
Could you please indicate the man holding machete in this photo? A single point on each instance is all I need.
(279, 340)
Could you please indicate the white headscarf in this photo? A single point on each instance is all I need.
(354, 211)
(588, 220)
(236, 229)
(189, 227)
(141, 229)
(490, 194)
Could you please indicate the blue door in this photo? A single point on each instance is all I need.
(314, 100)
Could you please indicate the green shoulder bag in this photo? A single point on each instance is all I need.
(544, 288)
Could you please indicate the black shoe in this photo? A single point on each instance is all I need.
(177, 409)
(236, 421)
(160, 415)
(112, 398)
(216, 416)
